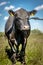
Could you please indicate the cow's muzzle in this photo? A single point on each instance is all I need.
(26, 28)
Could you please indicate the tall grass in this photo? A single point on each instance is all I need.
(34, 49)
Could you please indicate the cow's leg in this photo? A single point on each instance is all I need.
(13, 51)
(12, 46)
(17, 49)
(23, 51)
(12, 41)
(17, 52)
(13, 58)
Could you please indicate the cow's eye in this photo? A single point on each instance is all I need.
(19, 18)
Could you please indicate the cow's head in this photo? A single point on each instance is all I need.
(22, 18)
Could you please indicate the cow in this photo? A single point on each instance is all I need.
(17, 30)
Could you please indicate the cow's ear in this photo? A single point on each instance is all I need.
(12, 13)
(33, 12)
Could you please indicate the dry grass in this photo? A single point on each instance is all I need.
(34, 49)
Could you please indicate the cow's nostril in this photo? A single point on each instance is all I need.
(24, 27)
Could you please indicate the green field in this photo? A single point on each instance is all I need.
(34, 49)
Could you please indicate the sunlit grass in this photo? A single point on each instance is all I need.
(34, 49)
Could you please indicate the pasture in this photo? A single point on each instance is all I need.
(34, 49)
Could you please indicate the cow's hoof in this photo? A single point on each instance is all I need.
(17, 57)
(24, 63)
(13, 58)
(13, 64)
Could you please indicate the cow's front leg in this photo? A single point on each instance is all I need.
(22, 53)
(12, 41)
(24, 45)
(17, 52)
(13, 53)
(12, 46)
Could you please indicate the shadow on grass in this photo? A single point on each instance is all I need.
(10, 54)
(13, 57)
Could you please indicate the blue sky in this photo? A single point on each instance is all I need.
(16, 4)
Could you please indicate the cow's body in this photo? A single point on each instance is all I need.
(9, 23)
(17, 30)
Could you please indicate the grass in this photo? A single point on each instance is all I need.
(34, 49)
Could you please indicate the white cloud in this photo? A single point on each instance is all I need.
(39, 7)
(6, 17)
(17, 8)
(10, 7)
(3, 3)
(0, 14)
